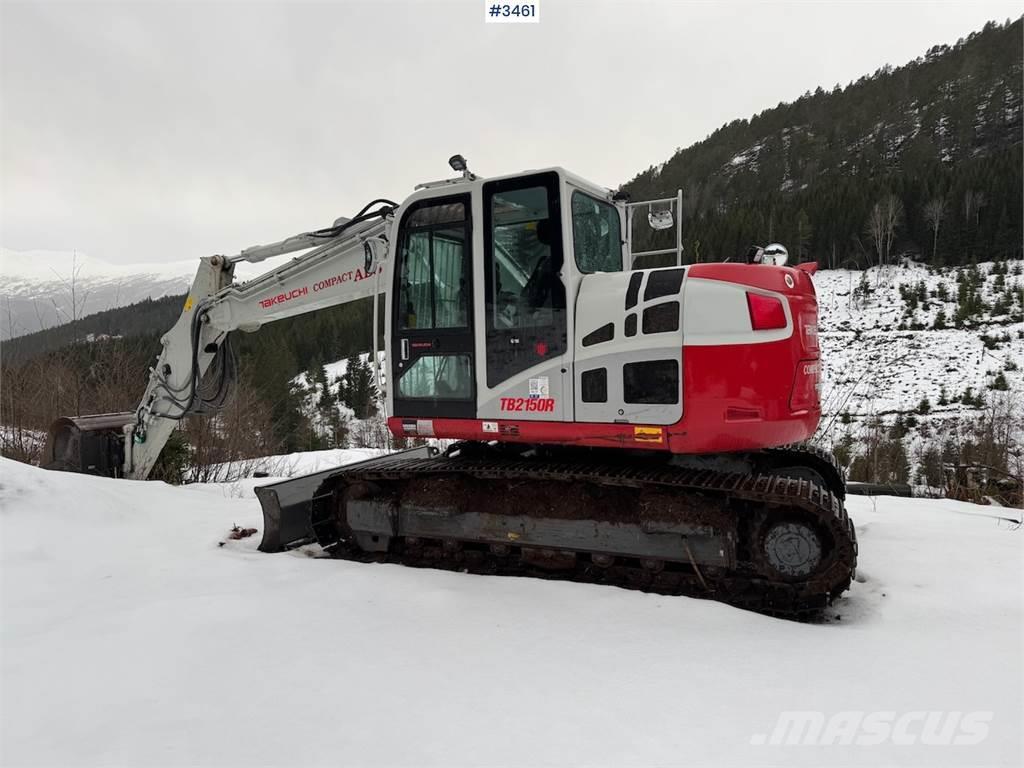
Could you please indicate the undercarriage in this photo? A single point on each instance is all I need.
(766, 531)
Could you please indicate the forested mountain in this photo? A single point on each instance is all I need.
(326, 335)
(934, 147)
(150, 317)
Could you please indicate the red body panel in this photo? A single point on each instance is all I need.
(736, 397)
(756, 276)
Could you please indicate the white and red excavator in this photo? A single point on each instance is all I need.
(639, 427)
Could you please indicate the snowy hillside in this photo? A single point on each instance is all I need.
(885, 349)
(330, 409)
(131, 637)
(896, 351)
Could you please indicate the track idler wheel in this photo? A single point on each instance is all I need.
(790, 548)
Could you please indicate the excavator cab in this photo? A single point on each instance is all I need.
(484, 283)
(515, 312)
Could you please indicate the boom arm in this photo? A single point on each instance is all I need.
(344, 266)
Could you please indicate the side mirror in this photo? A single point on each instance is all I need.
(660, 219)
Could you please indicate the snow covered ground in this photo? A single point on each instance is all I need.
(130, 637)
(293, 464)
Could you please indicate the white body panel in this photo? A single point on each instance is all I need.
(603, 300)
(715, 314)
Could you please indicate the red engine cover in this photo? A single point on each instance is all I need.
(742, 396)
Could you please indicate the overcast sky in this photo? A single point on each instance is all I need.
(154, 131)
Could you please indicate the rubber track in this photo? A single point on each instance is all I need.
(764, 496)
(814, 457)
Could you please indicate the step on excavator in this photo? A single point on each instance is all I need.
(645, 428)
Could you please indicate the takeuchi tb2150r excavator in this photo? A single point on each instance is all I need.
(638, 427)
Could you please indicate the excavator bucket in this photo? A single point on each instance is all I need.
(93, 445)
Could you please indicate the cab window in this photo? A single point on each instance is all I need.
(596, 234)
(433, 288)
(526, 283)
(438, 377)
(525, 296)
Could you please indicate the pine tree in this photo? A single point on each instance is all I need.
(999, 383)
(357, 389)
(970, 399)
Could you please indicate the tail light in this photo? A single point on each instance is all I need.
(766, 312)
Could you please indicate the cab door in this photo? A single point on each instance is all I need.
(525, 321)
(432, 322)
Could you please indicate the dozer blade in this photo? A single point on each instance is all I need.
(92, 445)
(287, 505)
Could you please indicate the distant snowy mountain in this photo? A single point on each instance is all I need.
(36, 286)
